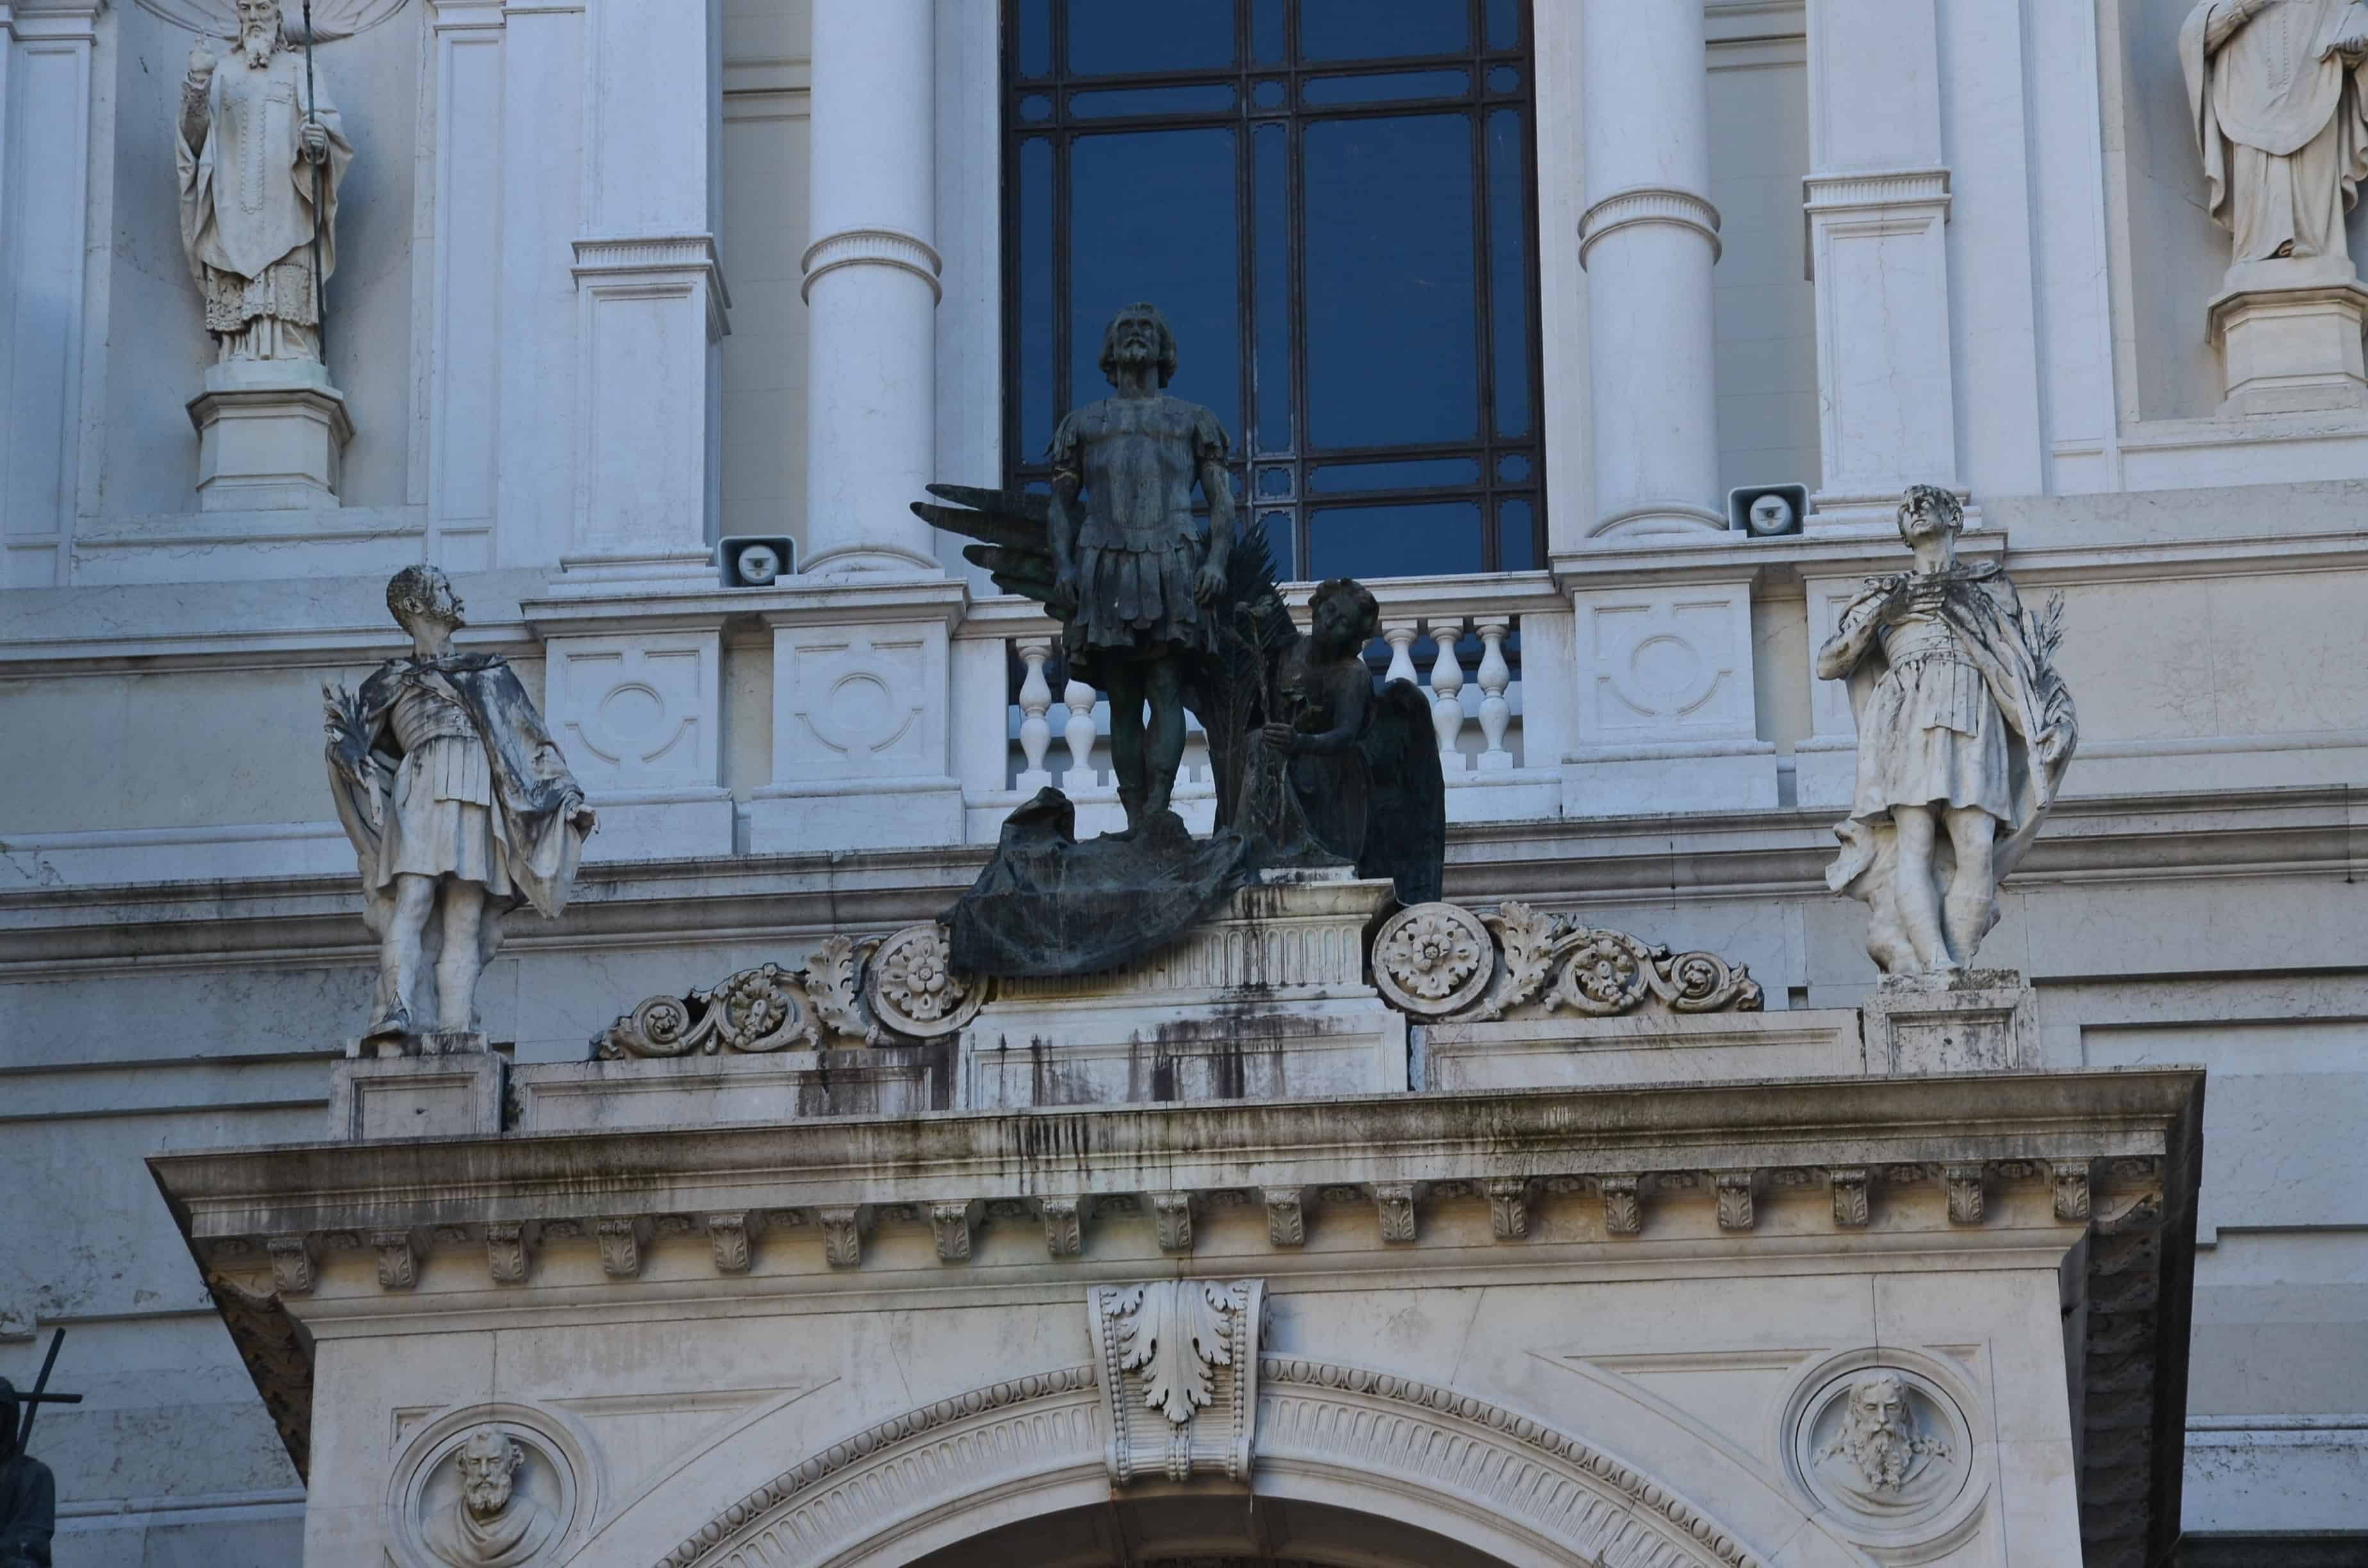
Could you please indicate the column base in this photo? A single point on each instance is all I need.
(1985, 1020)
(1824, 771)
(271, 436)
(661, 824)
(2290, 334)
(622, 572)
(1659, 519)
(849, 561)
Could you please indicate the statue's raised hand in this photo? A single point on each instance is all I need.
(201, 65)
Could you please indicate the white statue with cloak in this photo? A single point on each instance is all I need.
(2275, 93)
(261, 153)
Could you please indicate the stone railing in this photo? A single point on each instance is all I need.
(1493, 654)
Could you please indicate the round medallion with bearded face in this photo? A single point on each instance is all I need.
(1885, 1445)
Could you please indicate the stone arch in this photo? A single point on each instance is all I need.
(1346, 1436)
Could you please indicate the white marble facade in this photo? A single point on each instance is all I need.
(619, 277)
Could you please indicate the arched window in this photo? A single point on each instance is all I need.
(1333, 202)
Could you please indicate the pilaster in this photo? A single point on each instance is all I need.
(651, 301)
(45, 111)
(1877, 202)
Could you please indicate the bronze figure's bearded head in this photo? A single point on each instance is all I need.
(1139, 335)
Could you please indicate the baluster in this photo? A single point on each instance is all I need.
(1035, 701)
(1447, 684)
(1399, 635)
(1495, 712)
(1079, 732)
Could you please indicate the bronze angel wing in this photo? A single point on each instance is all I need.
(1015, 547)
(1405, 826)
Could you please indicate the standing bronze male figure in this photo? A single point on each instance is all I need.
(1134, 583)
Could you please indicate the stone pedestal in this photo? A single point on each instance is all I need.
(1268, 1002)
(2289, 333)
(271, 436)
(1987, 1021)
(451, 1089)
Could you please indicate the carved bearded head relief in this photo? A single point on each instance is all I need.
(489, 1465)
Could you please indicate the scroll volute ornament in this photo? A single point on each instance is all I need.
(1442, 962)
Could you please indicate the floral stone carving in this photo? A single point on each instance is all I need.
(763, 1010)
(1438, 961)
(1178, 1363)
(913, 987)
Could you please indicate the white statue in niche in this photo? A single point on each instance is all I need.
(2278, 93)
(1964, 729)
(1878, 1456)
(492, 1524)
(458, 802)
(261, 157)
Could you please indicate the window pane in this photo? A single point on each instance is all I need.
(1111, 37)
(1034, 26)
(1421, 474)
(1379, 29)
(1275, 527)
(1504, 23)
(1152, 217)
(1516, 543)
(1394, 541)
(1509, 251)
(1035, 285)
(1204, 98)
(1266, 31)
(1391, 335)
(1271, 230)
(1387, 86)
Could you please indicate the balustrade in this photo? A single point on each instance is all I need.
(1492, 656)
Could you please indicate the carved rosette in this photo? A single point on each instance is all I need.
(1178, 1363)
(1442, 962)
(913, 987)
(1434, 958)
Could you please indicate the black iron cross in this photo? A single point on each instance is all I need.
(40, 1396)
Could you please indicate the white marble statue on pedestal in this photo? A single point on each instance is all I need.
(1964, 729)
(2275, 89)
(261, 155)
(459, 804)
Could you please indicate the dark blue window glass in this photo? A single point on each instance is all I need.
(1151, 217)
(1387, 86)
(1381, 29)
(1394, 541)
(1430, 474)
(1204, 98)
(1123, 37)
(1035, 352)
(1033, 33)
(1517, 527)
(1504, 23)
(1272, 223)
(1266, 31)
(1508, 265)
(1392, 330)
(1330, 200)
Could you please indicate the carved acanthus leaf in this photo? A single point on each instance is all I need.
(1173, 1332)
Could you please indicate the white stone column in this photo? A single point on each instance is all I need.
(45, 112)
(1648, 239)
(872, 287)
(1878, 205)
